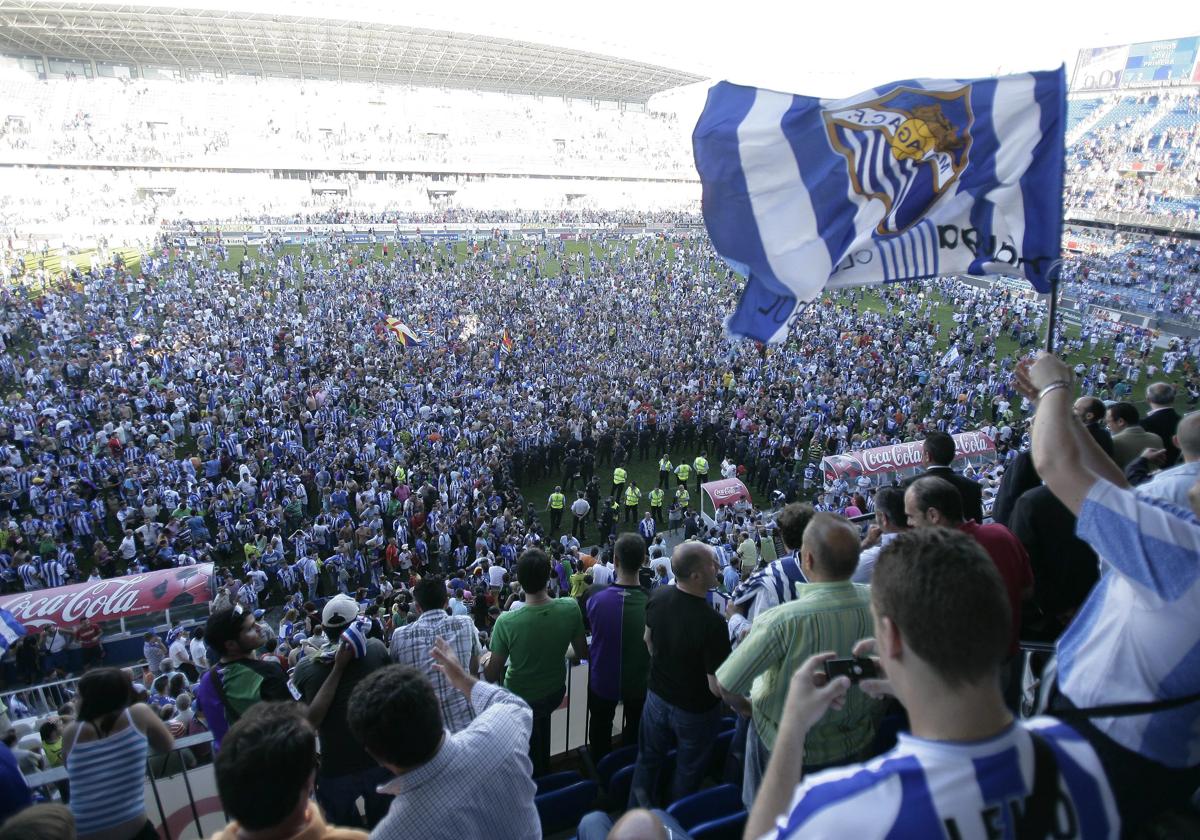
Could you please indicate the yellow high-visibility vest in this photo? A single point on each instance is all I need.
(557, 500)
(632, 494)
(619, 475)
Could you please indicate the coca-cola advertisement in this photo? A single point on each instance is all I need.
(112, 598)
(726, 491)
(899, 458)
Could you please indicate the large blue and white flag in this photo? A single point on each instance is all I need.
(10, 630)
(911, 180)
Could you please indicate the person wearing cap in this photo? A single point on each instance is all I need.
(238, 680)
(326, 681)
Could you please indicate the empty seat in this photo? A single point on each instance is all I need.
(556, 781)
(564, 808)
(706, 806)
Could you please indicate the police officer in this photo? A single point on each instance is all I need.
(700, 465)
(664, 471)
(682, 496)
(557, 502)
(656, 503)
(682, 473)
(632, 497)
(618, 483)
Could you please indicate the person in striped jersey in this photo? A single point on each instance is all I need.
(967, 769)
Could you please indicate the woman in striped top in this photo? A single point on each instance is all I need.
(105, 753)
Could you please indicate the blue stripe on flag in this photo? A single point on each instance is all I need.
(725, 198)
(1043, 180)
(980, 176)
(887, 270)
(821, 175)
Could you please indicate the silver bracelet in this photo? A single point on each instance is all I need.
(1053, 386)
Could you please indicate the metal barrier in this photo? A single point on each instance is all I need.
(164, 791)
(46, 698)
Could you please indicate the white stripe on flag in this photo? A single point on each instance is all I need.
(1017, 139)
(782, 207)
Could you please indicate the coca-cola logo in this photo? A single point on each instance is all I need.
(723, 492)
(897, 457)
(972, 443)
(102, 598)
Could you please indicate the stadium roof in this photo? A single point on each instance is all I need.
(363, 49)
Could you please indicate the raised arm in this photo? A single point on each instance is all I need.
(1065, 455)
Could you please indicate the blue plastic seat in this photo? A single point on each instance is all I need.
(725, 828)
(707, 806)
(556, 781)
(614, 761)
(720, 752)
(562, 809)
(617, 789)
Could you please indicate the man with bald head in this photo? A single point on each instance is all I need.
(1163, 419)
(830, 613)
(688, 641)
(1171, 484)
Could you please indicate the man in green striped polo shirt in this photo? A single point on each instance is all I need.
(829, 614)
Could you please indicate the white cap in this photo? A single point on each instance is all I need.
(339, 611)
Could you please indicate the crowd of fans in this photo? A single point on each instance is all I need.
(374, 493)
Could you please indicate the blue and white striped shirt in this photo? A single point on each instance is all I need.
(1137, 639)
(965, 790)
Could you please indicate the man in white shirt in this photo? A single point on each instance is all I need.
(890, 522)
(180, 650)
(197, 648)
(434, 767)
(602, 574)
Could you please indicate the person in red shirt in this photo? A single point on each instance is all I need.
(88, 635)
(932, 501)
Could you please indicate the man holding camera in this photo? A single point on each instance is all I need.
(967, 769)
(829, 612)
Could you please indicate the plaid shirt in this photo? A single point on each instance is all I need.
(489, 755)
(411, 645)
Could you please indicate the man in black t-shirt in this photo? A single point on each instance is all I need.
(325, 681)
(688, 641)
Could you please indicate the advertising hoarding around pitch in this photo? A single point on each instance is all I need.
(111, 599)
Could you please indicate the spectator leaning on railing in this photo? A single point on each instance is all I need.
(1136, 640)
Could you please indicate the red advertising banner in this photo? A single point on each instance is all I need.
(112, 598)
(898, 457)
(726, 491)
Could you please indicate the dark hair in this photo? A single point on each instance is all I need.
(890, 500)
(265, 761)
(933, 492)
(1093, 406)
(939, 448)
(834, 544)
(197, 632)
(224, 626)
(47, 729)
(967, 635)
(533, 570)
(104, 691)
(396, 693)
(430, 593)
(1125, 412)
(792, 521)
(629, 552)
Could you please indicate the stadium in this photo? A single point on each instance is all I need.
(412, 424)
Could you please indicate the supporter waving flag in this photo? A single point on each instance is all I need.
(909, 180)
(10, 630)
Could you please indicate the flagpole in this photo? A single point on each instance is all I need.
(1053, 317)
